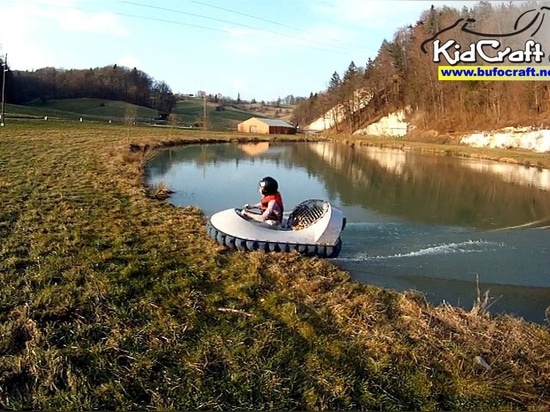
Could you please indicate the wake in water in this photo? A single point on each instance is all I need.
(444, 262)
(469, 246)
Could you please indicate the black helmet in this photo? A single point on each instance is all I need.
(269, 186)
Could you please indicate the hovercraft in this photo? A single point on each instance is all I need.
(312, 228)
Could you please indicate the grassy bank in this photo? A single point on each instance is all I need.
(111, 299)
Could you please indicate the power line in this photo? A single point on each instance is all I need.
(272, 22)
(169, 21)
(65, 6)
(179, 23)
(339, 50)
(187, 13)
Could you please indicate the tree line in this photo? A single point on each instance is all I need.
(404, 75)
(110, 82)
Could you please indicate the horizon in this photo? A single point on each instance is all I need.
(254, 49)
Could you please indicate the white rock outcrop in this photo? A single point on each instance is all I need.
(336, 115)
(396, 125)
(392, 125)
(510, 137)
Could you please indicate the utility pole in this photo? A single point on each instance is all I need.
(204, 126)
(4, 70)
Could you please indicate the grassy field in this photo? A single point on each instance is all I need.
(186, 113)
(189, 112)
(112, 299)
(88, 109)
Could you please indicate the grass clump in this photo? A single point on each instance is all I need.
(160, 192)
(113, 300)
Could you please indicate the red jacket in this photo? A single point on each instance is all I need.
(276, 215)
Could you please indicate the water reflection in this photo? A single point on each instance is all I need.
(411, 186)
(431, 189)
(528, 176)
(432, 223)
(253, 149)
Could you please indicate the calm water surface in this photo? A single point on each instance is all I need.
(415, 221)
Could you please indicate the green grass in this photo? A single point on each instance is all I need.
(189, 112)
(186, 113)
(87, 108)
(32, 112)
(113, 300)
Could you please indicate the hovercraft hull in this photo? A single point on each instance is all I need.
(313, 228)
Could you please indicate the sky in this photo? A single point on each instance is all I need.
(252, 49)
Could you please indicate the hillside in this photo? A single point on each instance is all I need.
(403, 75)
(86, 108)
(188, 113)
(283, 112)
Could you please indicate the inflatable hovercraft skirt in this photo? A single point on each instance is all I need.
(313, 228)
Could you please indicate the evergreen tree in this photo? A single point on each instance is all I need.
(335, 82)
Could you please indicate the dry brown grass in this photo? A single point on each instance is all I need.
(114, 300)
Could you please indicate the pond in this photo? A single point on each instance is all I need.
(440, 225)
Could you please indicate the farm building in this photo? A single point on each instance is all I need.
(266, 126)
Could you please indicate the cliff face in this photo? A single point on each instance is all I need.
(397, 124)
(392, 125)
(528, 138)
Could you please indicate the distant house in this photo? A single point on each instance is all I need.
(266, 126)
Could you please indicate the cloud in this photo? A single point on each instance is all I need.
(80, 21)
(347, 29)
(18, 24)
(31, 32)
(16, 21)
(69, 15)
(360, 25)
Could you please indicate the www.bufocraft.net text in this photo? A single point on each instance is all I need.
(493, 72)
